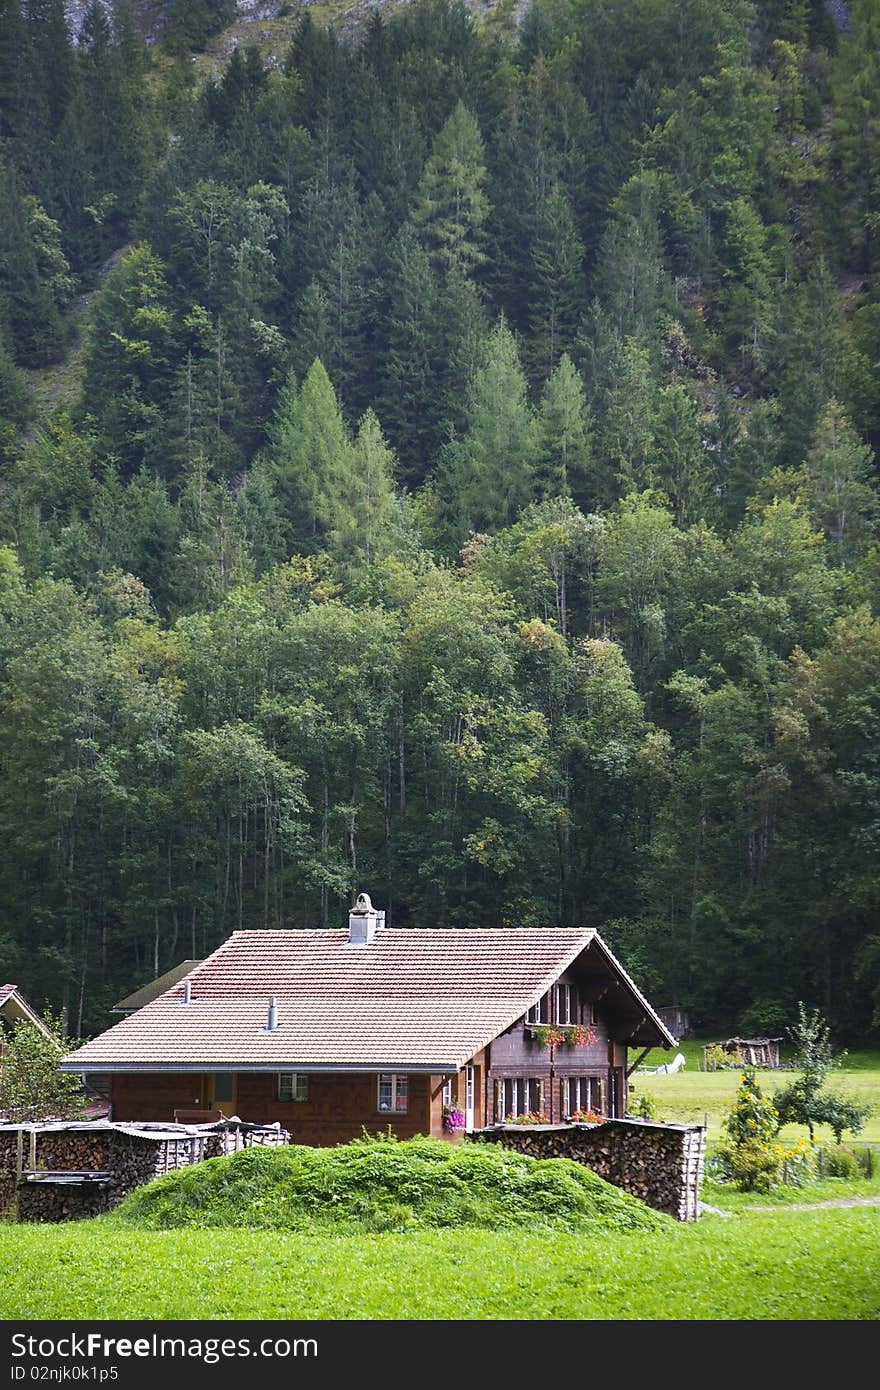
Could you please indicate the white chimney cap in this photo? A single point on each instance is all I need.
(364, 920)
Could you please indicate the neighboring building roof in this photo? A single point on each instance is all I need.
(147, 993)
(14, 1008)
(423, 1000)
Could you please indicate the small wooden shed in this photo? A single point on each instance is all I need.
(743, 1052)
(676, 1019)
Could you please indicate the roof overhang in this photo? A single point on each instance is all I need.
(648, 1029)
(188, 1068)
(16, 1009)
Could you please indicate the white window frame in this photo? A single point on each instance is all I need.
(295, 1084)
(565, 1003)
(586, 1091)
(543, 1006)
(399, 1082)
(521, 1094)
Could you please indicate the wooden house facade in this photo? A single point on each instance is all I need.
(428, 1031)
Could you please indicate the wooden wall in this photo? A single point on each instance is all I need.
(338, 1108)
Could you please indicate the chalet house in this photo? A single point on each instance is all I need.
(14, 1008)
(332, 1032)
(147, 993)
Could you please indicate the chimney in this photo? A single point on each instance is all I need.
(187, 992)
(364, 921)
(272, 1020)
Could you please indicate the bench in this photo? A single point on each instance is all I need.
(63, 1176)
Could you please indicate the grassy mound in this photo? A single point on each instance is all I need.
(382, 1185)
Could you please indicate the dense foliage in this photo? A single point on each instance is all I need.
(807, 1100)
(31, 1086)
(470, 495)
(380, 1185)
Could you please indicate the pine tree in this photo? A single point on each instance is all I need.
(261, 521)
(129, 357)
(461, 344)
(451, 206)
(629, 428)
(487, 475)
(364, 524)
(14, 65)
(33, 272)
(843, 499)
(556, 289)
(411, 403)
(856, 88)
(680, 464)
(54, 64)
(114, 130)
(310, 456)
(314, 333)
(14, 398)
(562, 436)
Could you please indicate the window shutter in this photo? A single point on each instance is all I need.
(499, 1101)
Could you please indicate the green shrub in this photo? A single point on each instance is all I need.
(841, 1163)
(753, 1166)
(645, 1108)
(374, 1185)
(751, 1156)
(804, 1101)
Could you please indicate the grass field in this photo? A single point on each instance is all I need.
(762, 1260)
(698, 1097)
(779, 1265)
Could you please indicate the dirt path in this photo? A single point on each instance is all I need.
(819, 1206)
(800, 1206)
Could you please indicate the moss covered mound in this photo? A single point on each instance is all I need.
(383, 1185)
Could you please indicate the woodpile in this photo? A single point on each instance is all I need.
(662, 1165)
(62, 1172)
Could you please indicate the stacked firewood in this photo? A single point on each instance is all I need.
(90, 1168)
(660, 1164)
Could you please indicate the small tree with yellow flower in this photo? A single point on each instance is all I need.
(750, 1153)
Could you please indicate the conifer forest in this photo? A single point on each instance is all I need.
(438, 458)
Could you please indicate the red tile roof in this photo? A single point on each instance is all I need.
(420, 999)
(14, 1007)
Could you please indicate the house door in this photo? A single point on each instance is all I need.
(221, 1092)
(469, 1098)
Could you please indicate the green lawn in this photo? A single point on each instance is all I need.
(777, 1265)
(699, 1097)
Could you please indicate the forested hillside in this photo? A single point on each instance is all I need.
(466, 491)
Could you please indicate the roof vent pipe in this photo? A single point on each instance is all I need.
(272, 1020)
(363, 921)
(187, 992)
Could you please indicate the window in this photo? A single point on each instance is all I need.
(519, 1095)
(564, 1004)
(392, 1093)
(584, 1093)
(540, 1012)
(293, 1085)
(447, 1092)
(224, 1087)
